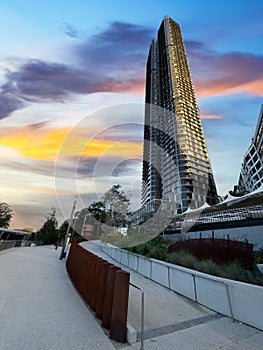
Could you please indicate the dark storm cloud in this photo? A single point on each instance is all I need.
(110, 61)
(67, 169)
(38, 167)
(222, 70)
(126, 167)
(105, 167)
(93, 167)
(122, 46)
(39, 81)
(8, 104)
(124, 132)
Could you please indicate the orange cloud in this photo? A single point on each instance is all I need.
(133, 86)
(254, 87)
(226, 87)
(210, 116)
(100, 147)
(51, 191)
(47, 144)
(40, 144)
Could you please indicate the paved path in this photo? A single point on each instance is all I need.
(39, 308)
(173, 322)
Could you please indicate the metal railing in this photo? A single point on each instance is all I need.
(17, 243)
(7, 245)
(142, 314)
(196, 299)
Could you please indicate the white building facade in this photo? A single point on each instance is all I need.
(251, 174)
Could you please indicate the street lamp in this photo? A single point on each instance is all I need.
(67, 237)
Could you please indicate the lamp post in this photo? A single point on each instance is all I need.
(67, 237)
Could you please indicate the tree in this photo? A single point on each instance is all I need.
(116, 206)
(62, 230)
(112, 209)
(48, 233)
(98, 211)
(93, 215)
(6, 215)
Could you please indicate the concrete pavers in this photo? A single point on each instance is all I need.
(40, 310)
(39, 307)
(174, 322)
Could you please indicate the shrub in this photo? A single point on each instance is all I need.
(207, 266)
(234, 271)
(144, 249)
(112, 238)
(182, 258)
(258, 257)
(157, 253)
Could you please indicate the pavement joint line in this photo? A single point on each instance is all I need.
(156, 332)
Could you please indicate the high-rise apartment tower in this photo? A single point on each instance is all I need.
(251, 174)
(176, 164)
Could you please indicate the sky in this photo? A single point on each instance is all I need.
(72, 77)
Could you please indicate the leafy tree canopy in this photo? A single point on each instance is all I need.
(117, 207)
(48, 232)
(62, 230)
(112, 209)
(6, 215)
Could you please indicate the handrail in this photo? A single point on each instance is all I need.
(142, 315)
(229, 302)
(195, 291)
(195, 287)
(227, 292)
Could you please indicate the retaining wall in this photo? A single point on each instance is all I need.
(253, 234)
(240, 301)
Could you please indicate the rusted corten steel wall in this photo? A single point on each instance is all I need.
(219, 250)
(104, 286)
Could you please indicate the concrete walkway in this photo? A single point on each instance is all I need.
(173, 322)
(39, 308)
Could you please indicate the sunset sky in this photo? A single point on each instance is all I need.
(72, 79)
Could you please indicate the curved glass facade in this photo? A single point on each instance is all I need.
(176, 165)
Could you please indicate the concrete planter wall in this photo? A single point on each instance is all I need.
(241, 301)
(260, 267)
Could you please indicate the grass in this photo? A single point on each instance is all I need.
(258, 257)
(182, 258)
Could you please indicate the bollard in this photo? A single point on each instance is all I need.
(90, 271)
(118, 325)
(93, 278)
(108, 298)
(83, 279)
(80, 270)
(79, 266)
(96, 281)
(86, 281)
(101, 288)
(73, 264)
